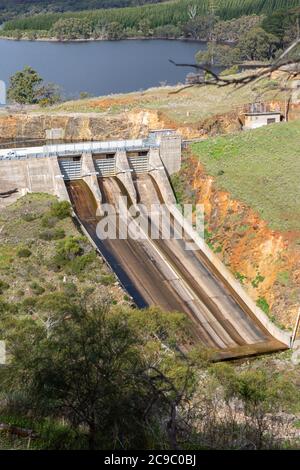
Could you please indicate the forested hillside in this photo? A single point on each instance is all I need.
(175, 13)
(12, 8)
(222, 21)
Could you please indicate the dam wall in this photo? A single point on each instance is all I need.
(195, 283)
(46, 168)
(33, 175)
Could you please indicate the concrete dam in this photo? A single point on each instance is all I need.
(95, 176)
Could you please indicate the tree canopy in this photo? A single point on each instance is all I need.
(27, 87)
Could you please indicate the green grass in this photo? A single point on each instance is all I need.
(50, 434)
(260, 168)
(7, 256)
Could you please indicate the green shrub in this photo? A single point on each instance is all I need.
(29, 304)
(37, 288)
(56, 234)
(24, 253)
(70, 256)
(70, 289)
(78, 264)
(55, 302)
(61, 209)
(108, 279)
(3, 286)
(263, 304)
(30, 216)
(69, 248)
(240, 277)
(255, 283)
(58, 436)
(48, 221)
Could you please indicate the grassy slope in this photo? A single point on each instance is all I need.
(21, 274)
(261, 168)
(184, 107)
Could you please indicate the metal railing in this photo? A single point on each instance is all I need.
(78, 149)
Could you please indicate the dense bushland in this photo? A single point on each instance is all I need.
(175, 14)
(12, 8)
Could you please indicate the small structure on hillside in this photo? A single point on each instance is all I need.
(194, 78)
(260, 114)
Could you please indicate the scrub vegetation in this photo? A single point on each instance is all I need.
(87, 370)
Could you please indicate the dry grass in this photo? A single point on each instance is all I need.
(185, 107)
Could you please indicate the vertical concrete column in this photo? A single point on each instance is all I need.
(89, 175)
(158, 172)
(124, 174)
(58, 180)
(170, 152)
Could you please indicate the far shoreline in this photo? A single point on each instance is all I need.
(87, 40)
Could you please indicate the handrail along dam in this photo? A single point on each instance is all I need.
(156, 271)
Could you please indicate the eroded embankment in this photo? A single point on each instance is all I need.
(93, 126)
(265, 261)
(108, 125)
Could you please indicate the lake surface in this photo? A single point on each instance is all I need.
(102, 67)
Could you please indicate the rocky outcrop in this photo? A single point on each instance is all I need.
(95, 126)
(76, 127)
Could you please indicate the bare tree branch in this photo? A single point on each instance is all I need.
(282, 63)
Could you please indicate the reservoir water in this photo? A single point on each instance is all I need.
(101, 67)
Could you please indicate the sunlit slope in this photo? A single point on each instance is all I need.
(260, 168)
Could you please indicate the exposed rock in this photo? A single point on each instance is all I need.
(256, 254)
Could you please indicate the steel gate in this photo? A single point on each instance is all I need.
(139, 163)
(70, 167)
(105, 166)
